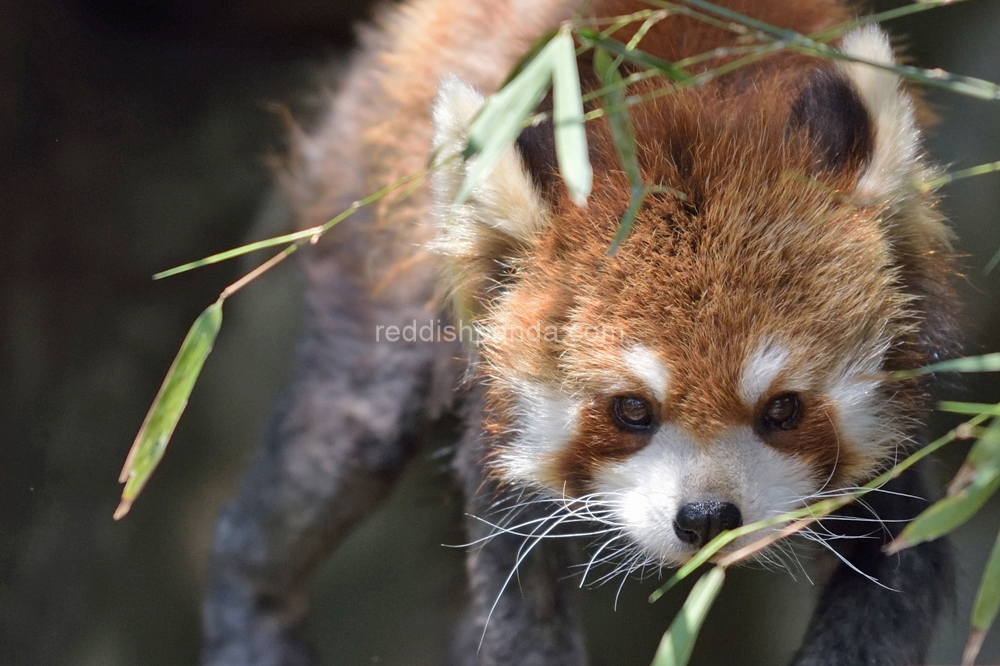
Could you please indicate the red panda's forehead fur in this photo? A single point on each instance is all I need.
(749, 246)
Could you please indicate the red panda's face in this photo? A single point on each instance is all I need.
(723, 366)
(725, 355)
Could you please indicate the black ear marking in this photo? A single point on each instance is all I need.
(537, 148)
(832, 113)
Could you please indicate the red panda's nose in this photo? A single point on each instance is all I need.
(697, 523)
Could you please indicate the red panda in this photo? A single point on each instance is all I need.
(723, 366)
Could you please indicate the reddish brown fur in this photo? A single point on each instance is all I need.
(763, 245)
(705, 278)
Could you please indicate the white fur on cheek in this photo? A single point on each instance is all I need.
(861, 408)
(644, 364)
(647, 490)
(760, 371)
(546, 421)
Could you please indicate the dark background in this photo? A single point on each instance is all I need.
(134, 136)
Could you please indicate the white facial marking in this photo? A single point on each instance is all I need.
(546, 421)
(644, 364)
(648, 489)
(760, 371)
(859, 404)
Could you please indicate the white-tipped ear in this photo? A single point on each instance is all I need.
(896, 145)
(895, 169)
(503, 215)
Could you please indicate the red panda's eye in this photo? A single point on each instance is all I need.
(781, 413)
(633, 414)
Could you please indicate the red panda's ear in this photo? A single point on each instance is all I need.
(501, 219)
(895, 163)
(862, 119)
(830, 110)
(536, 146)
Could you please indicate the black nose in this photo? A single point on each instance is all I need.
(698, 523)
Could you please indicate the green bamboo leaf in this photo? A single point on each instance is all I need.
(934, 78)
(881, 17)
(987, 604)
(498, 123)
(969, 408)
(971, 172)
(986, 451)
(984, 612)
(313, 234)
(623, 20)
(239, 251)
(992, 263)
(567, 115)
(965, 85)
(984, 363)
(677, 644)
(537, 47)
(639, 57)
(646, 26)
(167, 407)
(622, 132)
(628, 219)
(949, 513)
(623, 136)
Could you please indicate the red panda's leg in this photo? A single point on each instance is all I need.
(859, 622)
(530, 618)
(338, 438)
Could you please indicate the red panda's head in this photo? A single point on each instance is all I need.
(724, 364)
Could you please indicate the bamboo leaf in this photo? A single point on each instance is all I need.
(881, 17)
(969, 408)
(677, 644)
(984, 612)
(167, 407)
(949, 513)
(628, 219)
(537, 47)
(986, 451)
(640, 34)
(978, 170)
(567, 114)
(992, 263)
(984, 363)
(622, 132)
(965, 85)
(313, 234)
(239, 251)
(623, 136)
(935, 78)
(639, 57)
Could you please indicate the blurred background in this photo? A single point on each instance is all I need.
(134, 136)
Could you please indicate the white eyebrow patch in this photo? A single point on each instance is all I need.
(760, 371)
(646, 365)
